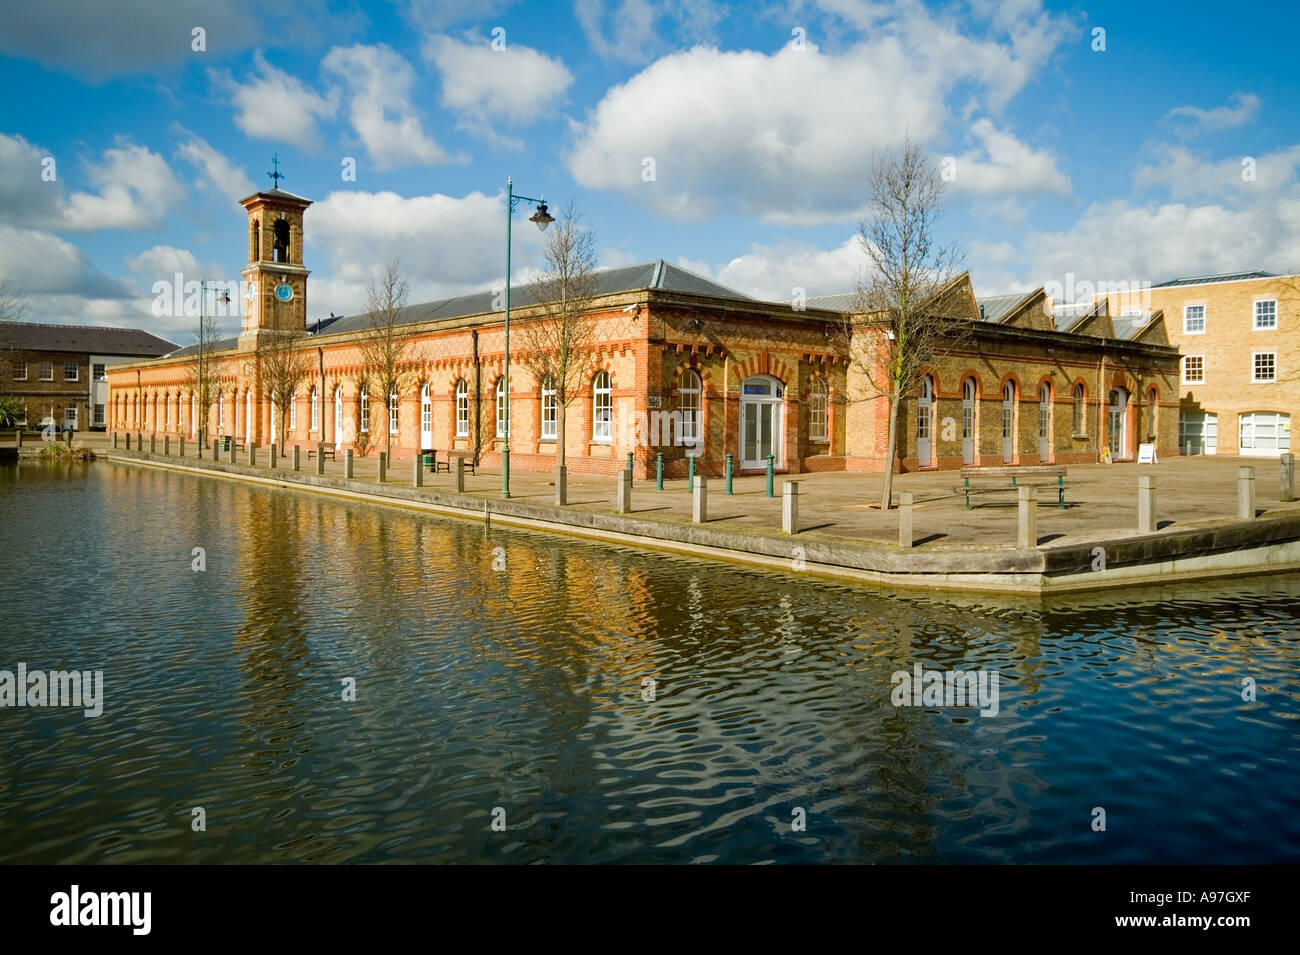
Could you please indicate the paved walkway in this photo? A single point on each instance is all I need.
(1101, 499)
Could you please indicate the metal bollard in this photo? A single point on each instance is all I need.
(690, 472)
(790, 507)
(731, 467)
(629, 462)
(659, 471)
(771, 472)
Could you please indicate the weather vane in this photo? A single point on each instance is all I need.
(277, 175)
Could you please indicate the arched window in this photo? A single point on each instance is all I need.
(180, 417)
(221, 410)
(365, 408)
(817, 401)
(550, 410)
(1079, 423)
(602, 418)
(194, 419)
(293, 412)
(315, 410)
(394, 412)
(688, 403)
(167, 411)
(462, 409)
(1153, 409)
(502, 420)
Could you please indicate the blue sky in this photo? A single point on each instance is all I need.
(759, 122)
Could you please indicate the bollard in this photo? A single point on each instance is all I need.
(347, 464)
(1286, 493)
(19, 438)
(790, 507)
(905, 519)
(1146, 503)
(139, 441)
(216, 450)
(1028, 530)
(383, 466)
(320, 459)
(771, 470)
(417, 471)
(153, 444)
(252, 455)
(1245, 494)
(731, 467)
(690, 472)
(232, 451)
(659, 471)
(273, 456)
(297, 457)
(623, 496)
(561, 484)
(128, 440)
(180, 446)
(460, 477)
(629, 462)
(167, 444)
(699, 501)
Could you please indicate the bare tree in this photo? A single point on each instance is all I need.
(386, 351)
(898, 327)
(557, 343)
(13, 309)
(204, 375)
(282, 368)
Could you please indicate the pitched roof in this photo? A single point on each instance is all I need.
(841, 302)
(275, 194)
(647, 275)
(87, 339)
(220, 344)
(994, 308)
(1212, 279)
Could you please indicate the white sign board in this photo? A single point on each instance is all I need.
(1147, 454)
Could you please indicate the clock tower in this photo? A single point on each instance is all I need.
(274, 277)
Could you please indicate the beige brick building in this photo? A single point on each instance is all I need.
(1239, 335)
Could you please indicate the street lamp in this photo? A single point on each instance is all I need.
(541, 219)
(224, 298)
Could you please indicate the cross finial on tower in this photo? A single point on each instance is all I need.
(277, 175)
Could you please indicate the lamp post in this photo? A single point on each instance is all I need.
(202, 426)
(541, 219)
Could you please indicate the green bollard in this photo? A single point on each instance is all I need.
(629, 465)
(659, 471)
(771, 470)
(731, 465)
(690, 474)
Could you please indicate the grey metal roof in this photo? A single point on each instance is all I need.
(994, 308)
(83, 339)
(220, 344)
(275, 194)
(1066, 317)
(1211, 279)
(647, 275)
(841, 302)
(1127, 326)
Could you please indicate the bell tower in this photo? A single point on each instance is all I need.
(275, 277)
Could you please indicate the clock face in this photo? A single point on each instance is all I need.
(252, 291)
(284, 292)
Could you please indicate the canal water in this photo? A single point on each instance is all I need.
(597, 703)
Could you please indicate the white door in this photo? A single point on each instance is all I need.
(924, 416)
(760, 421)
(1009, 422)
(426, 419)
(1045, 422)
(968, 421)
(338, 416)
(1118, 423)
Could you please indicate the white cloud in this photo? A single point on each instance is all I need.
(516, 83)
(216, 171)
(43, 264)
(1221, 117)
(136, 187)
(25, 198)
(380, 81)
(271, 104)
(164, 261)
(774, 272)
(1005, 166)
(789, 136)
(447, 245)
(631, 24)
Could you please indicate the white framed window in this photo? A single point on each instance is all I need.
(20, 371)
(1193, 319)
(550, 410)
(70, 371)
(1198, 433)
(1266, 315)
(365, 409)
(46, 369)
(502, 422)
(180, 417)
(602, 406)
(99, 372)
(394, 413)
(1264, 432)
(688, 403)
(221, 410)
(462, 409)
(1077, 417)
(167, 410)
(1264, 366)
(70, 416)
(426, 410)
(817, 403)
(315, 410)
(1193, 369)
(99, 416)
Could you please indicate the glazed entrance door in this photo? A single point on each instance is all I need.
(760, 421)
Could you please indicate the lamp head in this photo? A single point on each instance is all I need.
(541, 218)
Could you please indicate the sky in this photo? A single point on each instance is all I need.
(1083, 143)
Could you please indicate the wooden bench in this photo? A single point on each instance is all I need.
(328, 452)
(1031, 475)
(466, 456)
